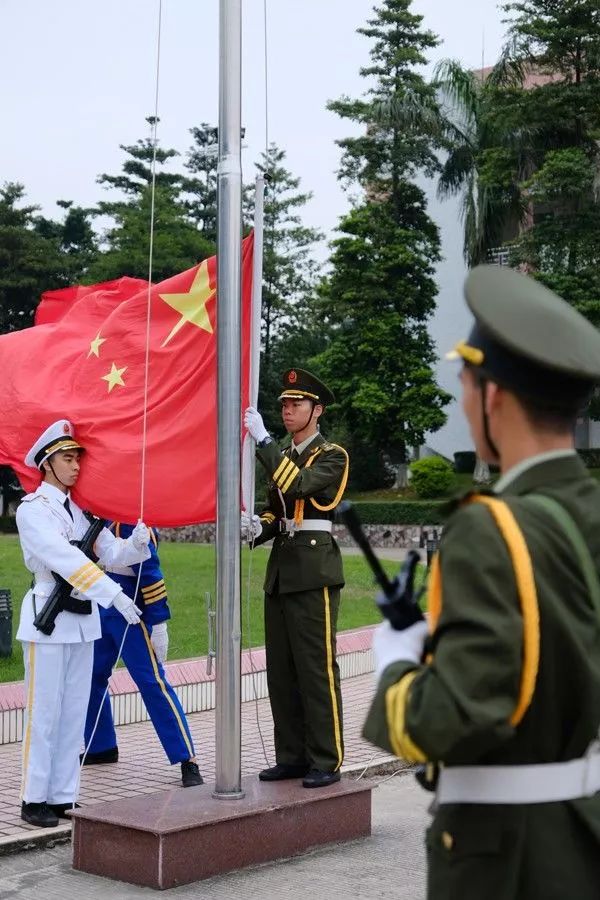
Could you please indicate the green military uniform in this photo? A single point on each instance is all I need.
(512, 670)
(302, 593)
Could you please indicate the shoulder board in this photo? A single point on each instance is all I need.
(326, 445)
(29, 497)
(464, 499)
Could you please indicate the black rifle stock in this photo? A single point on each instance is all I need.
(60, 599)
(398, 601)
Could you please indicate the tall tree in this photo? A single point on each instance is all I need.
(202, 186)
(32, 259)
(381, 291)
(177, 243)
(558, 43)
(289, 278)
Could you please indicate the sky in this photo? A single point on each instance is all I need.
(79, 78)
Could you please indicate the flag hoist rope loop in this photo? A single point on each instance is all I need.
(146, 357)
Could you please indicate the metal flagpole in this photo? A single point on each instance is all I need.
(229, 233)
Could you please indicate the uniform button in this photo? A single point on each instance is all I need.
(447, 840)
(313, 542)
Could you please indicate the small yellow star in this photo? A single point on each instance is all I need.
(95, 345)
(192, 305)
(114, 377)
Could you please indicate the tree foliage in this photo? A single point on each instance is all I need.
(381, 291)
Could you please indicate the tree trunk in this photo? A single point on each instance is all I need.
(401, 477)
(481, 475)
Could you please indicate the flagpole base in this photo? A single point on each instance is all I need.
(177, 837)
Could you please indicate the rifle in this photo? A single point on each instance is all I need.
(60, 599)
(398, 601)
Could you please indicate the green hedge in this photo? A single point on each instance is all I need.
(401, 512)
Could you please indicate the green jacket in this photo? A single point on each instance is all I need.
(310, 487)
(458, 708)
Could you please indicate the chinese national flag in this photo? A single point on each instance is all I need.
(89, 367)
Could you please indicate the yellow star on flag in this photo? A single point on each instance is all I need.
(114, 377)
(192, 305)
(95, 345)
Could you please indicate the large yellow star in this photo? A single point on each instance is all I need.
(192, 305)
(95, 345)
(114, 377)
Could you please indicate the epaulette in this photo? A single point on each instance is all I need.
(327, 445)
(29, 497)
(463, 499)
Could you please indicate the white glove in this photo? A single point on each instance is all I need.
(255, 425)
(140, 536)
(251, 526)
(127, 608)
(391, 646)
(160, 641)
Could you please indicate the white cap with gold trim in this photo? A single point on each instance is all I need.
(58, 436)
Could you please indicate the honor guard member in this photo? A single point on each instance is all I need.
(58, 666)
(302, 584)
(144, 653)
(506, 699)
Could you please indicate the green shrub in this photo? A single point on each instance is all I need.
(431, 476)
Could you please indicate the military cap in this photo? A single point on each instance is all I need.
(301, 385)
(529, 340)
(58, 436)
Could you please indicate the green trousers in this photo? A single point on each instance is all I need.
(304, 678)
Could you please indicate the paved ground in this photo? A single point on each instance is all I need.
(389, 864)
(143, 767)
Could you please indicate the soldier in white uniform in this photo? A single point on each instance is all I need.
(58, 667)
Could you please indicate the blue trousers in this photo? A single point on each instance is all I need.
(160, 699)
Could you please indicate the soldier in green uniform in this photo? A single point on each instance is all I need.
(503, 696)
(302, 584)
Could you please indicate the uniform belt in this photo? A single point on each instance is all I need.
(543, 783)
(289, 526)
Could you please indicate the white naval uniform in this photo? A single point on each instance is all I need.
(58, 667)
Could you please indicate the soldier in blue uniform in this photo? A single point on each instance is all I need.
(144, 652)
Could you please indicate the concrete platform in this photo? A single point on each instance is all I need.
(177, 837)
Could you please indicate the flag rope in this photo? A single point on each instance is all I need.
(153, 138)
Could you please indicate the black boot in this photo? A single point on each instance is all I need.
(39, 814)
(281, 772)
(102, 757)
(61, 809)
(190, 774)
(317, 778)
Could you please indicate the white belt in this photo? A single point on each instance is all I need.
(307, 525)
(543, 783)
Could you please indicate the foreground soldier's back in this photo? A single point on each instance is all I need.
(509, 697)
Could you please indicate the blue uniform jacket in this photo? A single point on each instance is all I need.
(152, 594)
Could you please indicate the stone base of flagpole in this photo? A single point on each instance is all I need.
(176, 837)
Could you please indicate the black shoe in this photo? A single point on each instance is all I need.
(190, 774)
(61, 809)
(39, 814)
(100, 758)
(280, 772)
(317, 778)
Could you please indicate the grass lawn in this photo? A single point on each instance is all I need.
(189, 573)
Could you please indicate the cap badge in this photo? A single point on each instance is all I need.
(292, 377)
(66, 429)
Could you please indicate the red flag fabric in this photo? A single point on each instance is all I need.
(89, 367)
(54, 304)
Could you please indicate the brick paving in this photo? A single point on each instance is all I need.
(143, 767)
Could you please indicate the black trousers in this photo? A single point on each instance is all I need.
(304, 678)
